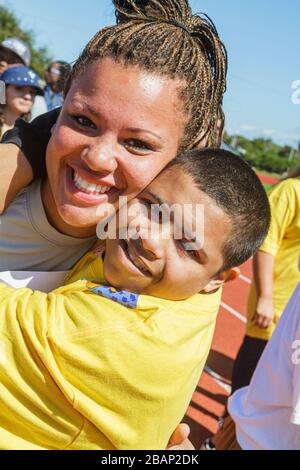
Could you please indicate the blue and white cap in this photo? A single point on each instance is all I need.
(22, 76)
(19, 47)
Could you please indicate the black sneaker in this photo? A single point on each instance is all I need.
(207, 445)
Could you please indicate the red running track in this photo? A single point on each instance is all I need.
(268, 179)
(209, 399)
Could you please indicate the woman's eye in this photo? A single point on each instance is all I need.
(84, 122)
(137, 144)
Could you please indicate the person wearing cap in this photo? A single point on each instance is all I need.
(13, 51)
(21, 88)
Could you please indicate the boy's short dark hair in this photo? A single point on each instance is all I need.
(236, 189)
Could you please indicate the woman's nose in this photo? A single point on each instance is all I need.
(100, 156)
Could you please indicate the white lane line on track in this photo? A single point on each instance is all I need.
(218, 379)
(234, 312)
(245, 278)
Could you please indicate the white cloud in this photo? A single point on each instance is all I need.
(248, 128)
(269, 132)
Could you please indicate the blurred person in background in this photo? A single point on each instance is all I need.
(21, 88)
(13, 52)
(55, 76)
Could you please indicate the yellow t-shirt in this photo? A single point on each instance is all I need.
(282, 242)
(79, 370)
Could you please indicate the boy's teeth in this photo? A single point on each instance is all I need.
(89, 188)
(135, 261)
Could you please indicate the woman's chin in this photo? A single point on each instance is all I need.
(78, 217)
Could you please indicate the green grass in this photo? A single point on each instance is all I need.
(267, 186)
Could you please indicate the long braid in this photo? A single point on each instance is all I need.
(163, 36)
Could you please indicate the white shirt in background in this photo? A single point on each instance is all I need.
(267, 412)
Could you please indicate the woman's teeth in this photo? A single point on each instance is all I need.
(89, 188)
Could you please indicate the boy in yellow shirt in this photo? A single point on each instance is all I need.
(91, 366)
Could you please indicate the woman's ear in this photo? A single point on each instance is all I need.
(224, 277)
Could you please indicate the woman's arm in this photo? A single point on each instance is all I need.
(263, 266)
(16, 173)
(24, 158)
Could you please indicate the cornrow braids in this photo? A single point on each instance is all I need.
(164, 37)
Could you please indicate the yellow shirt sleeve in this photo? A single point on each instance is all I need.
(283, 202)
(78, 371)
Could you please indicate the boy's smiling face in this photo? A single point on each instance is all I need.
(159, 261)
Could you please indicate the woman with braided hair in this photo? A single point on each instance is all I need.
(162, 38)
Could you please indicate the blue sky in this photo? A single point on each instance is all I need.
(261, 36)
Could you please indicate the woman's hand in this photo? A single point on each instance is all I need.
(263, 269)
(264, 314)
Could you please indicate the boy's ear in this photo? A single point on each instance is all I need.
(224, 277)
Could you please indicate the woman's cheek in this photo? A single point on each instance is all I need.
(143, 172)
(63, 138)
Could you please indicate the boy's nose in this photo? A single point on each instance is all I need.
(152, 253)
(153, 247)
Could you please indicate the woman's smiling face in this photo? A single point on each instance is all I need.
(118, 129)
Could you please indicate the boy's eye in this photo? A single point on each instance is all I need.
(147, 202)
(84, 121)
(137, 144)
(186, 246)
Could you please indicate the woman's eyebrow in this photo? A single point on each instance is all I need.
(91, 109)
(95, 112)
(137, 129)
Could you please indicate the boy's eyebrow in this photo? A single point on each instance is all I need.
(157, 199)
(162, 204)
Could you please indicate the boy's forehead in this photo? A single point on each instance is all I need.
(175, 186)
